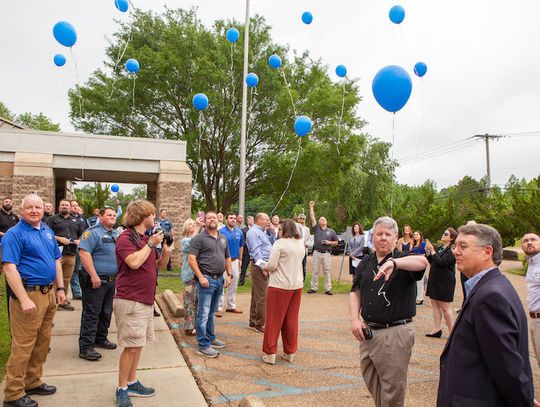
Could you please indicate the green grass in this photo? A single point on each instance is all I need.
(517, 272)
(5, 338)
(173, 282)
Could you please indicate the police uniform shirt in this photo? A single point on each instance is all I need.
(386, 301)
(320, 235)
(210, 252)
(101, 244)
(70, 228)
(33, 250)
(7, 221)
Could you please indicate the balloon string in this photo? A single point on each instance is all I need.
(341, 118)
(288, 89)
(423, 124)
(77, 79)
(290, 177)
(120, 56)
(133, 94)
(233, 88)
(200, 128)
(392, 155)
(249, 116)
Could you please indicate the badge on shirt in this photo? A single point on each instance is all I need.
(49, 236)
(86, 235)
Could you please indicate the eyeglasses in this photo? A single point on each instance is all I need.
(464, 247)
(446, 234)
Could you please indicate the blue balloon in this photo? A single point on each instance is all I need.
(122, 5)
(59, 60)
(307, 17)
(420, 69)
(115, 188)
(392, 88)
(65, 33)
(274, 61)
(341, 71)
(200, 101)
(397, 14)
(233, 34)
(252, 80)
(132, 65)
(302, 125)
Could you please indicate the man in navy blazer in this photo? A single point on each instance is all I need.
(486, 359)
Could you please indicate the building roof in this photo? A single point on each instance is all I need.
(8, 124)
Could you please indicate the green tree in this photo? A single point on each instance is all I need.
(34, 121)
(180, 57)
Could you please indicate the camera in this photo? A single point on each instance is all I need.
(166, 236)
(368, 334)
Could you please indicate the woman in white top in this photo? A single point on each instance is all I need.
(285, 285)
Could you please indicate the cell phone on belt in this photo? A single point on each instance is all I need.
(368, 333)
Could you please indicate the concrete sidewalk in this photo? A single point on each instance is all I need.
(82, 383)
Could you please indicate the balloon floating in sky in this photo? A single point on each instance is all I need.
(200, 101)
(252, 80)
(115, 188)
(122, 5)
(65, 33)
(302, 125)
(59, 60)
(233, 34)
(397, 14)
(132, 65)
(274, 61)
(341, 71)
(307, 17)
(420, 69)
(392, 88)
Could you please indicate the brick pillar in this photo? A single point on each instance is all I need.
(151, 191)
(32, 173)
(6, 179)
(173, 193)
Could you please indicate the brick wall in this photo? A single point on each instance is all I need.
(27, 184)
(6, 179)
(175, 198)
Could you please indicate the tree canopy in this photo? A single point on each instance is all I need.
(34, 121)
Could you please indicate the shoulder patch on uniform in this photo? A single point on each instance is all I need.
(86, 235)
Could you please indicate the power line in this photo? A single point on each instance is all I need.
(437, 152)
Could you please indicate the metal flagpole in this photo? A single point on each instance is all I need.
(243, 129)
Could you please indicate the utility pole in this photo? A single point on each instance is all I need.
(243, 129)
(487, 137)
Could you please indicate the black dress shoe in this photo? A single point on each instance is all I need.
(156, 314)
(437, 334)
(106, 344)
(22, 402)
(90, 354)
(43, 390)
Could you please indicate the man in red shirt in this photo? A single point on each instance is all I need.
(137, 259)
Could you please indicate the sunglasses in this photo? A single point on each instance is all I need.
(446, 234)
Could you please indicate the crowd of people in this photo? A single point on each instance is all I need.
(52, 259)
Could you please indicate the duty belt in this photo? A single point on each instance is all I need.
(376, 325)
(43, 288)
(108, 279)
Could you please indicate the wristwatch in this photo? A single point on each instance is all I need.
(393, 262)
(61, 289)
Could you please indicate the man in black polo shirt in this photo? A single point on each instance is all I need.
(324, 239)
(7, 220)
(67, 230)
(208, 258)
(381, 306)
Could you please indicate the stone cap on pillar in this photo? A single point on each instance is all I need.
(174, 171)
(33, 164)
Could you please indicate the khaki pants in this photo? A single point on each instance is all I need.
(68, 264)
(384, 361)
(257, 310)
(30, 339)
(324, 260)
(534, 324)
(231, 290)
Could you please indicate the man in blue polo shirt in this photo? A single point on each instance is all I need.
(31, 261)
(97, 251)
(235, 238)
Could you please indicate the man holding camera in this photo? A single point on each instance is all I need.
(97, 251)
(381, 312)
(137, 259)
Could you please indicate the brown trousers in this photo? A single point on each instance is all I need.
(68, 265)
(384, 361)
(282, 308)
(30, 339)
(259, 284)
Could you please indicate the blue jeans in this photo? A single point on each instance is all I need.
(208, 304)
(75, 284)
